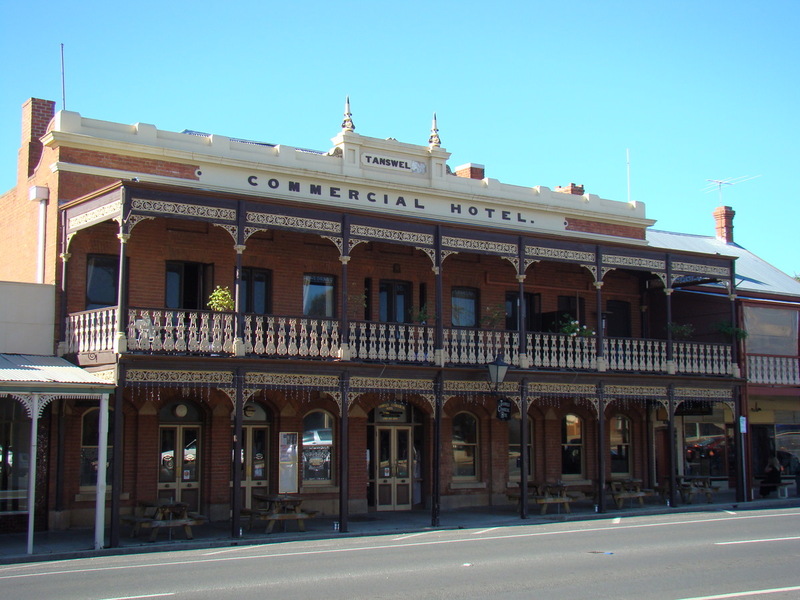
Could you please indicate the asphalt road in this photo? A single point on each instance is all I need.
(721, 554)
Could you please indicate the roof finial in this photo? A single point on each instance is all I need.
(347, 124)
(434, 141)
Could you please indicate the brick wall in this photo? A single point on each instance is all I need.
(625, 231)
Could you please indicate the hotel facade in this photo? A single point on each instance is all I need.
(361, 293)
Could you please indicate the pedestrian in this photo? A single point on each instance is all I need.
(772, 477)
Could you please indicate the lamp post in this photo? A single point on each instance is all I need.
(497, 371)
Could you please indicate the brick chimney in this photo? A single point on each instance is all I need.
(571, 189)
(723, 215)
(471, 171)
(36, 116)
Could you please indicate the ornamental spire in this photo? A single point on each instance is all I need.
(347, 124)
(434, 141)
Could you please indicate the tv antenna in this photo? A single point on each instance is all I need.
(718, 183)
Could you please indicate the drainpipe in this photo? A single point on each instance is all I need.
(41, 194)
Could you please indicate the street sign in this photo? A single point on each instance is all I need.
(503, 408)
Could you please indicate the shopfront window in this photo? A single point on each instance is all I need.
(705, 448)
(572, 446)
(781, 440)
(318, 448)
(465, 446)
(15, 443)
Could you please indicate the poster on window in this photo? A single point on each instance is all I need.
(287, 463)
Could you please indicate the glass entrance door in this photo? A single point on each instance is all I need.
(255, 441)
(179, 470)
(393, 460)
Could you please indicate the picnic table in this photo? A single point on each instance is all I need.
(689, 487)
(545, 494)
(624, 489)
(164, 515)
(279, 507)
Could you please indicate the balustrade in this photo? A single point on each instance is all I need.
(168, 331)
(91, 330)
(206, 332)
(773, 370)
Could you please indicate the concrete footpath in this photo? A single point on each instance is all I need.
(61, 545)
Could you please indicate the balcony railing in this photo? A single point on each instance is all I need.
(190, 331)
(773, 370)
(162, 331)
(91, 330)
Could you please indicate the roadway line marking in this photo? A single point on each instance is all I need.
(410, 535)
(730, 512)
(145, 596)
(797, 537)
(748, 593)
(484, 530)
(375, 547)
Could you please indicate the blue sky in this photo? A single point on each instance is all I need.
(541, 93)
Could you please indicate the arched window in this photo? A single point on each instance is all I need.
(514, 448)
(620, 441)
(318, 448)
(90, 436)
(465, 446)
(572, 446)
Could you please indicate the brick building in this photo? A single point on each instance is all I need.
(370, 286)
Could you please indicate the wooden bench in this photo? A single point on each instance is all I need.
(624, 490)
(783, 490)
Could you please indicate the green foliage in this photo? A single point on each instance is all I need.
(731, 331)
(681, 331)
(493, 316)
(573, 327)
(221, 300)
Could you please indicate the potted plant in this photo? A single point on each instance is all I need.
(221, 300)
(573, 327)
(731, 331)
(681, 331)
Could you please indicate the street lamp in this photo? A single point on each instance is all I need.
(497, 371)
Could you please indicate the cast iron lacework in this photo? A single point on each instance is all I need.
(101, 213)
(178, 377)
(701, 269)
(187, 210)
(392, 235)
(560, 253)
(315, 225)
(480, 245)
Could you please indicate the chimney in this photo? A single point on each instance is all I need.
(36, 116)
(471, 171)
(571, 189)
(723, 215)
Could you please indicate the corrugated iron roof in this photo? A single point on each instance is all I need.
(752, 273)
(37, 373)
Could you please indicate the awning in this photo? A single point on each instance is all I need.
(35, 380)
